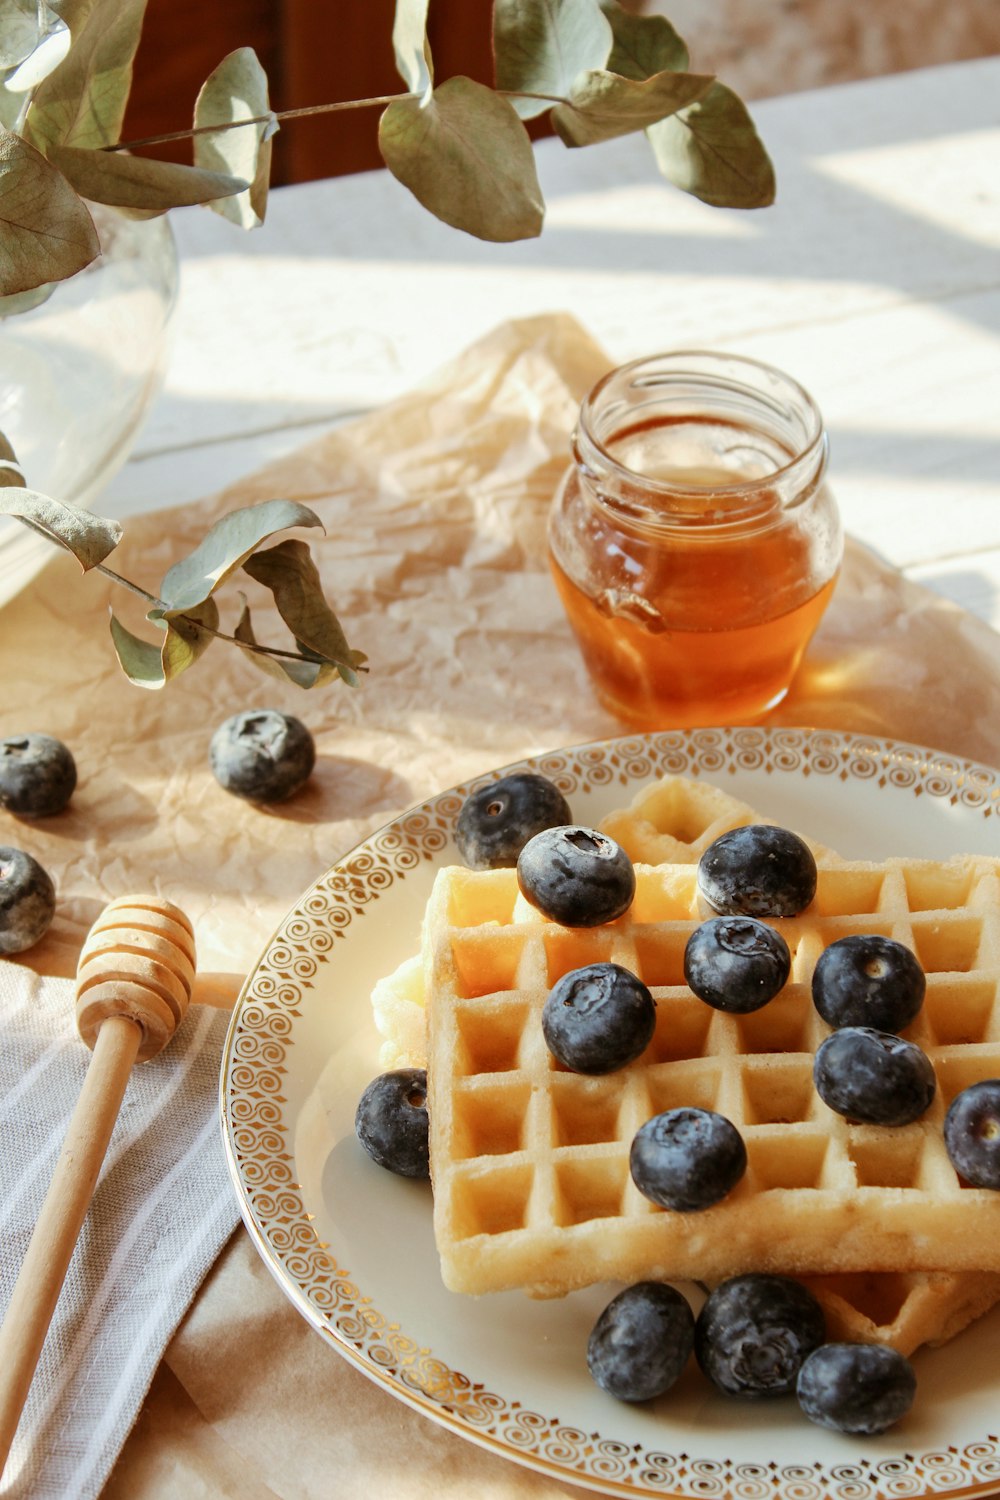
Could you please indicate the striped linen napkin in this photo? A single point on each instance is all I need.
(162, 1211)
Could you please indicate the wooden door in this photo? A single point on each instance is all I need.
(314, 52)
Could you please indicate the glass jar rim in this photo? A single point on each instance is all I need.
(811, 450)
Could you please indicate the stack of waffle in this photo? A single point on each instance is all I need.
(530, 1161)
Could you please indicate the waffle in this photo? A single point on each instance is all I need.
(903, 1310)
(672, 821)
(675, 819)
(530, 1161)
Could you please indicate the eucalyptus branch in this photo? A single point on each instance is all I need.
(525, 94)
(127, 583)
(253, 647)
(22, 113)
(184, 597)
(600, 69)
(278, 115)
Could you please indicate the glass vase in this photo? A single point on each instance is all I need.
(79, 372)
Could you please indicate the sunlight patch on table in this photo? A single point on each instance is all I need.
(932, 180)
(654, 209)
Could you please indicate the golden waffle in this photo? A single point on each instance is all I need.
(675, 819)
(672, 821)
(903, 1309)
(530, 1161)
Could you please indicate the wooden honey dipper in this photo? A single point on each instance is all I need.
(133, 988)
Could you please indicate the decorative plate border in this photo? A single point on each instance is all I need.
(261, 1157)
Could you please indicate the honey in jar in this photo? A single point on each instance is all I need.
(694, 541)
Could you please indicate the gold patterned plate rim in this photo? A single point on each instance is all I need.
(502, 1371)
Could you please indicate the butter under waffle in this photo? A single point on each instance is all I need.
(530, 1161)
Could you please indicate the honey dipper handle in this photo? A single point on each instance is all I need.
(61, 1218)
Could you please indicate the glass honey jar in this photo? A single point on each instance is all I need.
(694, 540)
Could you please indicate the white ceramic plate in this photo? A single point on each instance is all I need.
(352, 1246)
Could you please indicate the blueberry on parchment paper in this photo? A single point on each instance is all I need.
(37, 775)
(27, 901)
(262, 755)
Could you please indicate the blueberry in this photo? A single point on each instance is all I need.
(687, 1159)
(641, 1341)
(868, 980)
(758, 871)
(598, 1018)
(37, 775)
(972, 1133)
(736, 963)
(576, 876)
(856, 1388)
(27, 901)
(874, 1077)
(262, 755)
(497, 821)
(754, 1332)
(391, 1122)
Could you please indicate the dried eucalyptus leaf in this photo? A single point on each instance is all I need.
(411, 47)
(139, 660)
(11, 105)
(225, 546)
(603, 105)
(90, 538)
(290, 573)
(713, 151)
(138, 182)
(237, 90)
(304, 674)
(467, 158)
(186, 640)
(20, 32)
(46, 233)
(23, 302)
(52, 47)
(541, 46)
(82, 102)
(643, 45)
(23, 25)
(10, 469)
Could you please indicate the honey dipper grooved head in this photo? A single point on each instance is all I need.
(138, 961)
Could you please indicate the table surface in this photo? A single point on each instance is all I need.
(875, 279)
